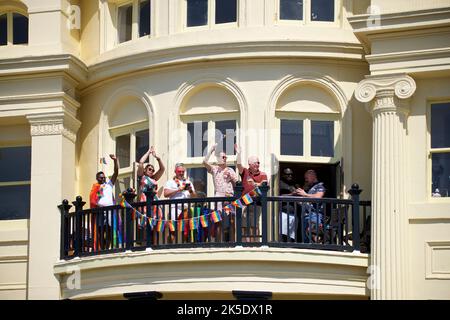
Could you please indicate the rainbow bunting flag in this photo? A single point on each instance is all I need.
(143, 220)
(160, 226)
(192, 224)
(181, 224)
(150, 222)
(215, 216)
(171, 225)
(247, 199)
(204, 221)
(238, 203)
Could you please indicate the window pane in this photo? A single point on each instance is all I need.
(199, 180)
(144, 18)
(440, 129)
(123, 150)
(15, 164)
(124, 23)
(3, 30)
(441, 174)
(322, 138)
(197, 13)
(291, 9)
(15, 202)
(226, 11)
(322, 10)
(197, 139)
(122, 184)
(225, 136)
(142, 144)
(292, 137)
(20, 29)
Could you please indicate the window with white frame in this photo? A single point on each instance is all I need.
(210, 12)
(308, 137)
(131, 143)
(133, 19)
(440, 149)
(200, 136)
(314, 10)
(13, 28)
(15, 168)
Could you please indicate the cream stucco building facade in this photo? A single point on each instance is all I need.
(93, 79)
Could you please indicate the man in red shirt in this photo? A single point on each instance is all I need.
(252, 178)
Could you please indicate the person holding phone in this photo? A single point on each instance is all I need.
(178, 188)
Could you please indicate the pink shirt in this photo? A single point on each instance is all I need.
(222, 179)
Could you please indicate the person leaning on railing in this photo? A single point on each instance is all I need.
(314, 211)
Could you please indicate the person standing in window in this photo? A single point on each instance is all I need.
(224, 181)
(147, 180)
(146, 176)
(313, 211)
(287, 188)
(102, 195)
(252, 178)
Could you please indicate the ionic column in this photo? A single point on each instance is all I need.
(53, 138)
(386, 98)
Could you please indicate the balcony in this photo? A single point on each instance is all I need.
(141, 246)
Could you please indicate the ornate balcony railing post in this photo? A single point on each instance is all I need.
(78, 204)
(149, 194)
(129, 195)
(237, 194)
(354, 192)
(64, 237)
(264, 189)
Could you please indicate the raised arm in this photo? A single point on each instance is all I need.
(238, 159)
(161, 169)
(116, 169)
(144, 158)
(206, 158)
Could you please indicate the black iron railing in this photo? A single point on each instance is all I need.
(297, 222)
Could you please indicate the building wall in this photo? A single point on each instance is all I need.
(256, 81)
(387, 6)
(429, 218)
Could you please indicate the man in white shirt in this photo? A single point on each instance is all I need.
(178, 188)
(101, 195)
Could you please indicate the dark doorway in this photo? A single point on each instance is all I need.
(329, 174)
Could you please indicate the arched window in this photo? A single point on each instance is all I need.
(129, 139)
(209, 114)
(310, 137)
(13, 28)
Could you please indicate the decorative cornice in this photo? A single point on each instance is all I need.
(386, 89)
(60, 123)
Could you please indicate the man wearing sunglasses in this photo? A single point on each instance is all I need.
(224, 179)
